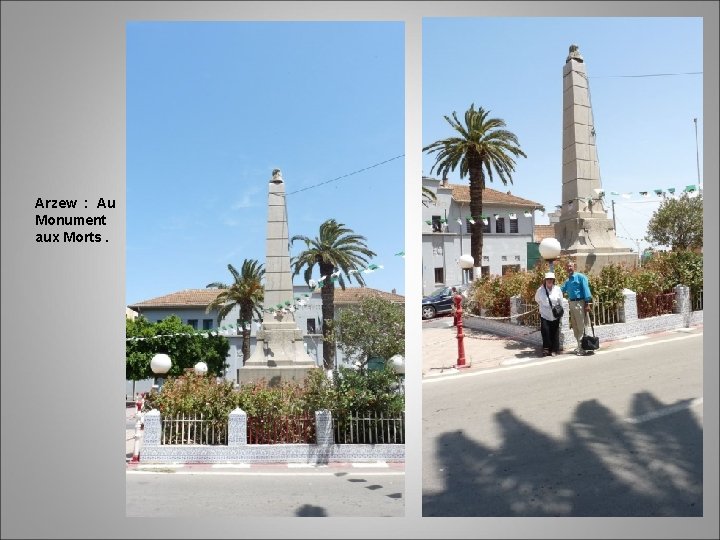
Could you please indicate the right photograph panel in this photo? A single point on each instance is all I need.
(562, 267)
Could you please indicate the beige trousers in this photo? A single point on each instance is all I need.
(579, 319)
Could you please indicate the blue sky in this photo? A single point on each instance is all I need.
(513, 67)
(214, 107)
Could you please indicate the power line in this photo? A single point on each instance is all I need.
(346, 175)
(647, 75)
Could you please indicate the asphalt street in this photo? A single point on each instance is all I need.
(266, 491)
(618, 433)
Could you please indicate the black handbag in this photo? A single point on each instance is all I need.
(558, 310)
(590, 343)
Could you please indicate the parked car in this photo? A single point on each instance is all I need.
(439, 302)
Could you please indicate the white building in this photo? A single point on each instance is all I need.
(508, 237)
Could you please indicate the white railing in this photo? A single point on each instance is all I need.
(369, 428)
(189, 429)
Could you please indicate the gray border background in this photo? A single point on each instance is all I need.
(63, 136)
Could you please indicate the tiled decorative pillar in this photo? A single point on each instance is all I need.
(629, 312)
(237, 428)
(515, 303)
(153, 427)
(324, 428)
(683, 303)
(567, 337)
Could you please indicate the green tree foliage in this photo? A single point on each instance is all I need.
(373, 328)
(481, 149)
(179, 341)
(428, 196)
(246, 291)
(337, 250)
(678, 268)
(677, 223)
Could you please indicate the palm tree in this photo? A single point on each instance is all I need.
(481, 148)
(338, 252)
(246, 291)
(428, 196)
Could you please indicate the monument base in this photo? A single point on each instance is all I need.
(279, 355)
(593, 262)
(274, 376)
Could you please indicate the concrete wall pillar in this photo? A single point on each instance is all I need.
(153, 428)
(324, 428)
(515, 308)
(237, 428)
(628, 311)
(683, 302)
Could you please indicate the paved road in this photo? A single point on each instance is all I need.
(266, 491)
(614, 434)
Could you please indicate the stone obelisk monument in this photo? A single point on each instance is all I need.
(279, 353)
(584, 230)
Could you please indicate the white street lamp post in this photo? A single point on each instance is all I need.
(160, 365)
(465, 262)
(201, 368)
(550, 250)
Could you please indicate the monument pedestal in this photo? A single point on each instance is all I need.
(592, 244)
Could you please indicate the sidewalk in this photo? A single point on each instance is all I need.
(483, 350)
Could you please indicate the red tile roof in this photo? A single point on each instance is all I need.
(461, 193)
(194, 298)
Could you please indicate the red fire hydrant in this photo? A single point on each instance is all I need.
(457, 299)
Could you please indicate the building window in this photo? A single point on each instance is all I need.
(193, 323)
(467, 274)
(207, 324)
(508, 268)
(514, 225)
(436, 224)
(517, 257)
(439, 275)
(503, 258)
(311, 326)
(484, 271)
(486, 227)
(500, 225)
(486, 258)
(468, 227)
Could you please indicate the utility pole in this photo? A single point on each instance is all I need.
(614, 224)
(697, 156)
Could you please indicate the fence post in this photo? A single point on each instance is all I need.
(153, 427)
(629, 311)
(237, 428)
(515, 302)
(324, 428)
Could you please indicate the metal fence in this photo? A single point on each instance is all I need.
(531, 315)
(369, 428)
(652, 305)
(605, 312)
(697, 300)
(281, 430)
(188, 429)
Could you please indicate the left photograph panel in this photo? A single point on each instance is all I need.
(265, 327)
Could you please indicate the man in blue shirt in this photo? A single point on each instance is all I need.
(577, 289)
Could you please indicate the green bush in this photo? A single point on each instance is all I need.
(349, 390)
(660, 275)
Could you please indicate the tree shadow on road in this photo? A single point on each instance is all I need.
(602, 466)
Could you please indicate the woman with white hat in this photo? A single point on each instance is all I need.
(549, 297)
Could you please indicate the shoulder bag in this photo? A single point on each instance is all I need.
(557, 310)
